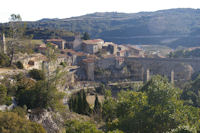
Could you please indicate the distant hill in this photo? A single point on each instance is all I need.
(171, 27)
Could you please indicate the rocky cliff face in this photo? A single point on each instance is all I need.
(51, 121)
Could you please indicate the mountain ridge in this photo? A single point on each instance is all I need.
(171, 27)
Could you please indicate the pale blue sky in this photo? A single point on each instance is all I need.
(31, 10)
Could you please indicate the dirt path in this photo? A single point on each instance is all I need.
(9, 71)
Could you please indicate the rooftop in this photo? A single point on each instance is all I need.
(94, 42)
(88, 60)
(54, 40)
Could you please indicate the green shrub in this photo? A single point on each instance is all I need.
(37, 74)
(8, 100)
(19, 65)
(81, 127)
(11, 122)
(63, 64)
(4, 60)
(3, 94)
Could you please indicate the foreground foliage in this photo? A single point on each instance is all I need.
(156, 108)
(81, 127)
(79, 104)
(12, 123)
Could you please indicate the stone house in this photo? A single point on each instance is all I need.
(88, 65)
(59, 42)
(74, 42)
(42, 48)
(134, 51)
(112, 48)
(76, 57)
(92, 46)
(33, 61)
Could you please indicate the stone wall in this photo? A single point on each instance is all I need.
(135, 68)
(183, 68)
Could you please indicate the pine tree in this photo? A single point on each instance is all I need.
(97, 105)
(86, 36)
(79, 104)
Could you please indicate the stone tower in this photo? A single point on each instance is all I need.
(148, 75)
(172, 76)
(3, 44)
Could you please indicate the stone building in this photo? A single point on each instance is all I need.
(112, 48)
(89, 68)
(33, 61)
(76, 57)
(134, 51)
(74, 42)
(59, 42)
(92, 46)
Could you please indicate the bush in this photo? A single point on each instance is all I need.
(40, 95)
(3, 94)
(8, 100)
(4, 60)
(13, 123)
(19, 65)
(63, 64)
(81, 127)
(37, 74)
(21, 111)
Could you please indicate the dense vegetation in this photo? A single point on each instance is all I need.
(166, 27)
(185, 53)
(38, 33)
(81, 127)
(78, 103)
(37, 74)
(4, 60)
(11, 122)
(157, 107)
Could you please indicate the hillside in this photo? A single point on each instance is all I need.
(171, 27)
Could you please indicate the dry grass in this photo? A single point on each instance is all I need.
(91, 99)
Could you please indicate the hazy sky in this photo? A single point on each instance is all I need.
(38, 9)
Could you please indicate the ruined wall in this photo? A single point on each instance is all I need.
(135, 68)
(105, 63)
(183, 68)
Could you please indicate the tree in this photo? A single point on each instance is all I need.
(191, 92)
(79, 104)
(19, 65)
(81, 127)
(109, 107)
(97, 105)
(12, 123)
(37, 74)
(39, 96)
(86, 36)
(4, 60)
(156, 108)
(3, 94)
(16, 32)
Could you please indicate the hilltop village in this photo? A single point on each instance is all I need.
(75, 75)
(94, 61)
(76, 53)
